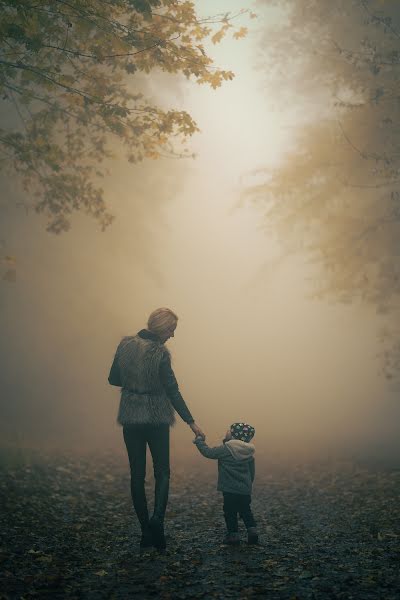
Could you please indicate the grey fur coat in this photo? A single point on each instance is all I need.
(143, 397)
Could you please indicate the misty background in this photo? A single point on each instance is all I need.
(250, 344)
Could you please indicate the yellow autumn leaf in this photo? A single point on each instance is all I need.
(241, 33)
(9, 261)
(217, 37)
(45, 559)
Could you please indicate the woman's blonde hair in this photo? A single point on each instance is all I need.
(162, 321)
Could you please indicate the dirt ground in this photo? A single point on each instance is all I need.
(327, 531)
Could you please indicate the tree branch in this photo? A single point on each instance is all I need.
(348, 140)
(380, 20)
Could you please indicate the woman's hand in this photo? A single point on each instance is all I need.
(197, 431)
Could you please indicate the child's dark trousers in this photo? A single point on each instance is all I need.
(234, 505)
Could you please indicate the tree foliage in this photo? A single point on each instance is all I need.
(336, 195)
(67, 69)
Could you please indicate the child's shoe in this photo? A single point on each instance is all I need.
(232, 539)
(252, 535)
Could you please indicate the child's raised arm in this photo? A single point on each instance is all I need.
(213, 453)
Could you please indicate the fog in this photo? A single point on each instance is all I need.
(250, 344)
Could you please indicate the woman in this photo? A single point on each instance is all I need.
(149, 395)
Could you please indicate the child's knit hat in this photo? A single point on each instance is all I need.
(242, 431)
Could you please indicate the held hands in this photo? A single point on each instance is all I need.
(197, 431)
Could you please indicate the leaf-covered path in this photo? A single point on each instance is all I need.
(327, 531)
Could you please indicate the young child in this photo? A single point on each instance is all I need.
(236, 471)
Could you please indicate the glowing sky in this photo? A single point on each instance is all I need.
(249, 344)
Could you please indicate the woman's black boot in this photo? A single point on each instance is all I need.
(140, 506)
(146, 541)
(157, 533)
(160, 505)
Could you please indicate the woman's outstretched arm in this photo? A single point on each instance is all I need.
(170, 384)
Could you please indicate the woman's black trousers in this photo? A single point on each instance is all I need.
(137, 437)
